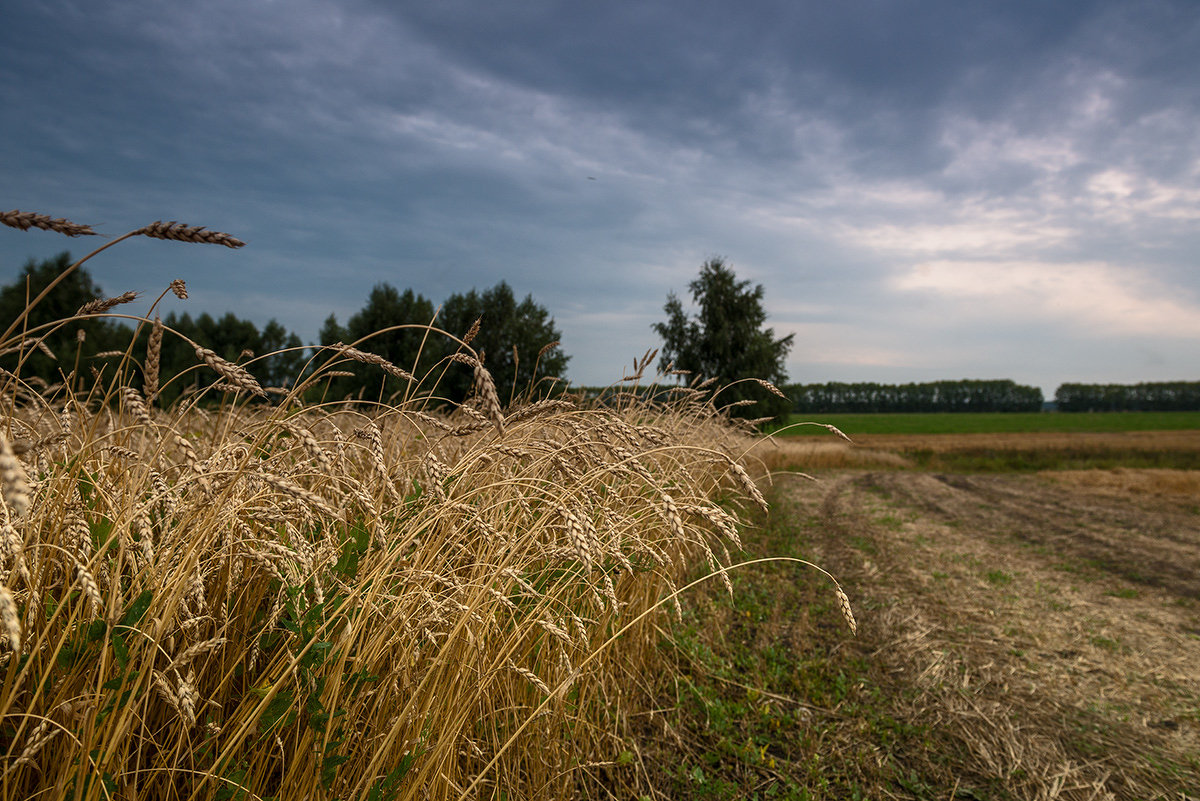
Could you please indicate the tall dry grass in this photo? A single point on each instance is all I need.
(244, 598)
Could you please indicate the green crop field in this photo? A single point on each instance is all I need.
(994, 423)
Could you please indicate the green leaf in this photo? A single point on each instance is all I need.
(389, 786)
(276, 710)
(96, 630)
(329, 766)
(120, 650)
(230, 787)
(116, 682)
(133, 615)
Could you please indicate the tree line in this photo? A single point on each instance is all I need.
(517, 340)
(1162, 396)
(934, 396)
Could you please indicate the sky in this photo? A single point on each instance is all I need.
(925, 190)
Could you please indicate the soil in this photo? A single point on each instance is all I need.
(1046, 626)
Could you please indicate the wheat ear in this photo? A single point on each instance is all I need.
(371, 358)
(485, 389)
(12, 475)
(8, 611)
(844, 605)
(188, 233)
(153, 356)
(102, 305)
(235, 375)
(27, 219)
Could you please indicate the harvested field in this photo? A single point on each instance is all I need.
(1020, 636)
(1051, 632)
(1134, 483)
(1000, 451)
(1148, 441)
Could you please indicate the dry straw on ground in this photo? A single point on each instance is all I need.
(269, 598)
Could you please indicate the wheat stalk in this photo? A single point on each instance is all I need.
(579, 542)
(137, 406)
(485, 389)
(12, 624)
(747, 483)
(473, 332)
(302, 388)
(40, 344)
(197, 650)
(188, 233)
(769, 387)
(192, 462)
(27, 219)
(153, 357)
(12, 546)
(37, 740)
(234, 374)
(179, 288)
(12, 476)
(530, 677)
(100, 306)
(844, 605)
(90, 588)
(188, 696)
(437, 473)
(314, 449)
(159, 681)
(373, 435)
(371, 358)
(296, 491)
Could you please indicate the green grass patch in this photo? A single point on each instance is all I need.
(998, 577)
(864, 544)
(777, 701)
(995, 422)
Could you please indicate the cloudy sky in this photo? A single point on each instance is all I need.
(925, 190)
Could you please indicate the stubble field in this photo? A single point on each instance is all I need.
(1022, 634)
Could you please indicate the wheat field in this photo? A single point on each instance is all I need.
(260, 592)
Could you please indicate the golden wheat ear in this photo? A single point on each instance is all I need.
(27, 219)
(189, 233)
(12, 476)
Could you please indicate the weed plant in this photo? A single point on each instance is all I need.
(261, 593)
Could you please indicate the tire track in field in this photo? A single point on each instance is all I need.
(1049, 634)
(1155, 545)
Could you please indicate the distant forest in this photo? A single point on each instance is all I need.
(1163, 396)
(992, 396)
(934, 396)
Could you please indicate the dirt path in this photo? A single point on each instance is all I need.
(1048, 629)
